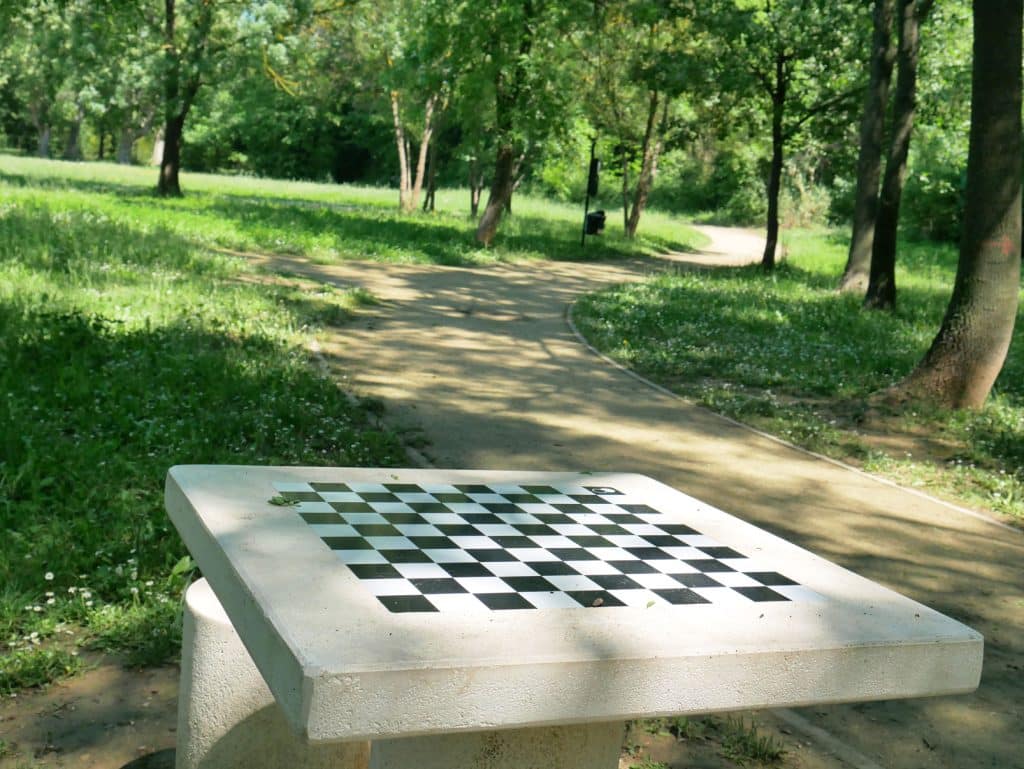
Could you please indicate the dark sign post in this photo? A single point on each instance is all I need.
(593, 223)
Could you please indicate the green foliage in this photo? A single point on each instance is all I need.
(34, 666)
(129, 348)
(742, 744)
(791, 356)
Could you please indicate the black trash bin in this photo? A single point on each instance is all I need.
(595, 223)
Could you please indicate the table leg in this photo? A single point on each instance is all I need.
(583, 746)
(227, 717)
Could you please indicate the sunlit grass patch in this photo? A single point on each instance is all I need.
(786, 353)
(129, 346)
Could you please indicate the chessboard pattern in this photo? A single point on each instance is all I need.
(476, 547)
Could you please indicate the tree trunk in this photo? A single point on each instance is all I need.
(881, 293)
(404, 185)
(869, 161)
(501, 192)
(73, 146)
(170, 164)
(124, 146)
(970, 348)
(625, 187)
(421, 161)
(43, 143)
(650, 151)
(476, 186)
(428, 199)
(775, 172)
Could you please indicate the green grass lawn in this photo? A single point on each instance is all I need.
(133, 336)
(786, 353)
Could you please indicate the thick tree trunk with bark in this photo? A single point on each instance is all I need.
(869, 161)
(650, 151)
(775, 172)
(170, 164)
(501, 193)
(881, 293)
(73, 146)
(970, 348)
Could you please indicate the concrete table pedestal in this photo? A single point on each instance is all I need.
(228, 719)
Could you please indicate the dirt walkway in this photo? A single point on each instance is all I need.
(481, 364)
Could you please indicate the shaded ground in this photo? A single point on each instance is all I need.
(480, 369)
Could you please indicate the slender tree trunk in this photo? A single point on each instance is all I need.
(775, 172)
(476, 186)
(881, 293)
(404, 185)
(428, 199)
(501, 191)
(625, 187)
(869, 161)
(170, 164)
(421, 161)
(970, 348)
(650, 152)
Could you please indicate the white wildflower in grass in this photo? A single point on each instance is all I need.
(48, 576)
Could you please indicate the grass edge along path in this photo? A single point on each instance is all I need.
(786, 354)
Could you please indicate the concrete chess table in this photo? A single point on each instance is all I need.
(509, 619)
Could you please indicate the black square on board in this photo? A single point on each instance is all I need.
(676, 529)
(721, 552)
(540, 490)
(428, 507)
(511, 541)
(481, 518)
(572, 554)
(351, 507)
(347, 543)
(403, 518)
(378, 496)
(473, 488)
(535, 529)
(405, 556)
(552, 568)
(450, 498)
(458, 529)
(501, 601)
(633, 567)
(406, 603)
(553, 518)
(615, 582)
(322, 518)
(709, 565)
(529, 584)
(590, 540)
(491, 555)
(760, 594)
(438, 585)
(330, 487)
(572, 509)
(649, 553)
(623, 518)
(594, 598)
(502, 507)
(606, 529)
(434, 543)
(770, 578)
(590, 499)
(404, 488)
(375, 571)
(679, 596)
(640, 509)
(661, 540)
(466, 569)
(377, 530)
(520, 499)
(695, 580)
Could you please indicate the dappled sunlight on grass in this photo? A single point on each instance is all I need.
(789, 354)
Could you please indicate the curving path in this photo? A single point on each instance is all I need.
(482, 363)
